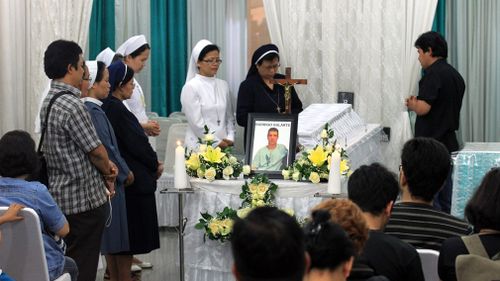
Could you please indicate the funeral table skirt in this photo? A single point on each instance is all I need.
(212, 260)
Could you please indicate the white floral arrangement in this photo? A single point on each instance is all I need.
(213, 163)
(259, 192)
(314, 164)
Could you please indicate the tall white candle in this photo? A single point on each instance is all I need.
(334, 176)
(180, 177)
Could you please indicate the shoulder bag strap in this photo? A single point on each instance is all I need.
(475, 246)
(52, 100)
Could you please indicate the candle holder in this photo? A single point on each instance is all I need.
(182, 223)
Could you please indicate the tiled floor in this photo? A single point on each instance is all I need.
(163, 260)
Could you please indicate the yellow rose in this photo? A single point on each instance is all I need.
(208, 137)
(344, 166)
(296, 176)
(214, 226)
(213, 155)
(246, 170)
(324, 134)
(242, 213)
(200, 173)
(329, 148)
(226, 227)
(286, 174)
(227, 172)
(193, 163)
(202, 148)
(252, 188)
(258, 203)
(318, 156)
(233, 160)
(257, 196)
(210, 174)
(289, 211)
(262, 189)
(314, 177)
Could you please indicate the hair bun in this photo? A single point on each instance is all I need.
(320, 216)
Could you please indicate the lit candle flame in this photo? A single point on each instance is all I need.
(178, 143)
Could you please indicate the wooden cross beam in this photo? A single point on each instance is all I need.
(288, 83)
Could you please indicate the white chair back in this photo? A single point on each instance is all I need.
(177, 132)
(429, 259)
(151, 114)
(22, 255)
(161, 140)
(178, 115)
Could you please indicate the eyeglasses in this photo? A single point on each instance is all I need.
(271, 67)
(213, 61)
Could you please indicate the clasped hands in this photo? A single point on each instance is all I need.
(110, 178)
(152, 128)
(225, 143)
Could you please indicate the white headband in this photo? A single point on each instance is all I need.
(193, 68)
(92, 66)
(124, 74)
(265, 54)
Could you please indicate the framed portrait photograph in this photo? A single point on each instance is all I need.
(271, 142)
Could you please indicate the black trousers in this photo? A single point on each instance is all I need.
(84, 240)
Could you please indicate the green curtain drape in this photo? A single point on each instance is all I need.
(168, 54)
(102, 27)
(439, 23)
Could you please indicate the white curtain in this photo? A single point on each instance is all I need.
(27, 27)
(132, 17)
(365, 47)
(474, 33)
(224, 24)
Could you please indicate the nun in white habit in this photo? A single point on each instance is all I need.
(135, 52)
(205, 99)
(106, 56)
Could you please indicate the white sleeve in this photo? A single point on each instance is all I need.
(136, 104)
(191, 106)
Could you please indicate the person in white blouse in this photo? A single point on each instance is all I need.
(135, 52)
(205, 99)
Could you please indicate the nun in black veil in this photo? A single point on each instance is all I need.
(258, 93)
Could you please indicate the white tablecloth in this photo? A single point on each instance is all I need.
(212, 260)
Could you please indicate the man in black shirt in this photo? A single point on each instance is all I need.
(439, 100)
(374, 189)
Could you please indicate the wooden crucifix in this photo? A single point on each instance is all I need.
(288, 83)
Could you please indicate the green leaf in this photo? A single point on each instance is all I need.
(206, 216)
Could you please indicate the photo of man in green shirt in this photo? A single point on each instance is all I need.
(273, 156)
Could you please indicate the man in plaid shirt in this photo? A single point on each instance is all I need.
(80, 172)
